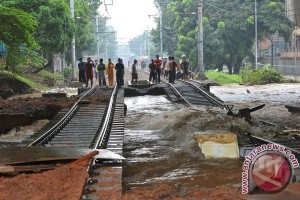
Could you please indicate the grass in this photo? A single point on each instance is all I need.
(31, 83)
(223, 78)
(48, 74)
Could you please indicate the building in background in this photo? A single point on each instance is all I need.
(285, 56)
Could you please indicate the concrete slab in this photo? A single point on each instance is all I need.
(218, 144)
(140, 84)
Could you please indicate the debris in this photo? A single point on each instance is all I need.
(245, 112)
(293, 108)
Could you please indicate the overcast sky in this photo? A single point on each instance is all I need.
(130, 17)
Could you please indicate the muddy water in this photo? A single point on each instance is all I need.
(18, 135)
(274, 96)
(159, 145)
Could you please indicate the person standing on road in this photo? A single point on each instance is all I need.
(158, 62)
(81, 68)
(134, 75)
(110, 72)
(89, 72)
(119, 72)
(101, 75)
(152, 68)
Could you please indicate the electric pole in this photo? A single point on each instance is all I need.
(200, 39)
(73, 44)
(97, 34)
(255, 10)
(160, 30)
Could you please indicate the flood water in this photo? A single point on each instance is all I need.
(159, 136)
(160, 147)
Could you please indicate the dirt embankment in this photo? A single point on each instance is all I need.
(22, 112)
(10, 86)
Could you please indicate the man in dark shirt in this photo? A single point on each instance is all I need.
(119, 72)
(89, 72)
(81, 68)
(152, 67)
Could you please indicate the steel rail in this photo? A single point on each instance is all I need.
(206, 95)
(174, 89)
(105, 125)
(62, 122)
(178, 93)
(265, 141)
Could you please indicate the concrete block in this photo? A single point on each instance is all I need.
(218, 145)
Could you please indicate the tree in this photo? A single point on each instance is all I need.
(16, 28)
(55, 25)
(228, 29)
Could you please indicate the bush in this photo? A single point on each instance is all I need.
(67, 72)
(267, 74)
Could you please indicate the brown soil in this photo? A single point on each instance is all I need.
(164, 191)
(65, 182)
(22, 112)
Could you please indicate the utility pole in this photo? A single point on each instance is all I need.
(97, 34)
(272, 50)
(73, 44)
(106, 52)
(200, 39)
(160, 30)
(255, 10)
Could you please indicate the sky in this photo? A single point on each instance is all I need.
(130, 17)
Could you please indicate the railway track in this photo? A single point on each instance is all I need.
(76, 128)
(95, 126)
(195, 93)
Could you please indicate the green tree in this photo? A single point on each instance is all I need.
(228, 29)
(55, 25)
(16, 27)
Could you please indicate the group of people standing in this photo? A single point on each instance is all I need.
(169, 67)
(89, 68)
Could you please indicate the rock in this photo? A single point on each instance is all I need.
(218, 145)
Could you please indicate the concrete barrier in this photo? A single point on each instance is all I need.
(218, 145)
